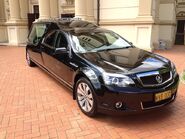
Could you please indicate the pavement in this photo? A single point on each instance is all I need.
(33, 105)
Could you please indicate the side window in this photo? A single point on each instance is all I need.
(61, 41)
(50, 39)
(36, 33)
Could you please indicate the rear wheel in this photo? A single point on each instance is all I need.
(85, 97)
(29, 61)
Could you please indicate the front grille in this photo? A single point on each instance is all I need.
(148, 79)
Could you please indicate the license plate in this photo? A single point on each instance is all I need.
(163, 96)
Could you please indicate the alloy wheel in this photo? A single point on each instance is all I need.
(28, 58)
(85, 97)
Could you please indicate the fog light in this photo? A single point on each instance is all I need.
(118, 105)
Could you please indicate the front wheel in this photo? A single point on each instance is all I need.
(29, 61)
(85, 97)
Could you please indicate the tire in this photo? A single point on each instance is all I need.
(85, 97)
(29, 61)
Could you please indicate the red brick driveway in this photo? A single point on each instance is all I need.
(34, 105)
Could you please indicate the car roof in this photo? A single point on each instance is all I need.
(72, 25)
(67, 23)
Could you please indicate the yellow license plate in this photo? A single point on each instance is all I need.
(163, 96)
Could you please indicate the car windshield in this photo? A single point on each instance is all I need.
(98, 41)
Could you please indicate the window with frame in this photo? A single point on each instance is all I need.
(50, 39)
(61, 41)
(36, 33)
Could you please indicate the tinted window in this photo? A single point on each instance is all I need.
(36, 33)
(50, 39)
(98, 41)
(61, 41)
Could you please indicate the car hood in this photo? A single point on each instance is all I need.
(129, 60)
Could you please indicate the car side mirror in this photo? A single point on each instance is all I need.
(62, 50)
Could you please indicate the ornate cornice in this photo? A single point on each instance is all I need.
(17, 23)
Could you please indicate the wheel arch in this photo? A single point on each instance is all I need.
(90, 75)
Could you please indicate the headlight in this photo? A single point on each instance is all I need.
(174, 71)
(91, 75)
(117, 79)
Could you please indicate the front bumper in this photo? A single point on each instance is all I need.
(135, 100)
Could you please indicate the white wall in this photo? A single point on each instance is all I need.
(126, 12)
(3, 34)
(167, 12)
(167, 16)
(119, 9)
(139, 35)
(128, 32)
(17, 34)
(166, 32)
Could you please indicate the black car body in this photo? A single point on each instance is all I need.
(106, 73)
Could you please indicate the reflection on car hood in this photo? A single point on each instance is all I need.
(129, 60)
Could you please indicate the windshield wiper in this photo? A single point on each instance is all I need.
(109, 49)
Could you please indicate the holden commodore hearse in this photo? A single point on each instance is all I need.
(105, 71)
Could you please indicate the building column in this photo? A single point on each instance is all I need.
(90, 10)
(167, 22)
(24, 9)
(144, 31)
(3, 29)
(2, 11)
(14, 10)
(145, 7)
(80, 9)
(17, 25)
(44, 9)
(54, 8)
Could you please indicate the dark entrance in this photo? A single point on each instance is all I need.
(180, 32)
(31, 18)
(36, 9)
(71, 15)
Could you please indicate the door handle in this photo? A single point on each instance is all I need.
(73, 64)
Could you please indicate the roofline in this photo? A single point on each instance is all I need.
(57, 20)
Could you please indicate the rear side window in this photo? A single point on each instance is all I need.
(36, 33)
(50, 39)
(61, 41)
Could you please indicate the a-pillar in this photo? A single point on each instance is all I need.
(144, 29)
(17, 25)
(90, 11)
(3, 29)
(80, 9)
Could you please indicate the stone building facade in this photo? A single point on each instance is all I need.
(147, 23)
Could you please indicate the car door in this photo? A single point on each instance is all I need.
(57, 63)
(48, 50)
(34, 42)
(63, 66)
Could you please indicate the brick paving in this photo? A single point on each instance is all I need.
(34, 105)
